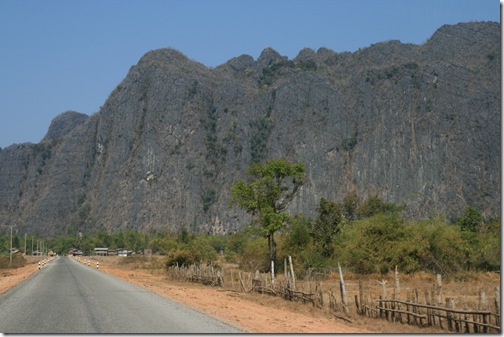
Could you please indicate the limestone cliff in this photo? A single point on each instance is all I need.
(415, 124)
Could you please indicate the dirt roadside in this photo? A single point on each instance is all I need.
(251, 312)
(266, 315)
(11, 277)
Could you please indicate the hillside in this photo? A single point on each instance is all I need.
(415, 124)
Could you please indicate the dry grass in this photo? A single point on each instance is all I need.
(18, 261)
(464, 288)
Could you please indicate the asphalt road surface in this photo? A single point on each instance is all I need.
(70, 297)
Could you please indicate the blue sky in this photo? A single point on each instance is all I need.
(59, 55)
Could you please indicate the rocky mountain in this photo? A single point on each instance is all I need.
(414, 124)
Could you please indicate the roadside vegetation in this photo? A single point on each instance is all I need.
(365, 235)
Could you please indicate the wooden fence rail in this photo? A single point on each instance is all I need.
(483, 321)
(410, 311)
(203, 274)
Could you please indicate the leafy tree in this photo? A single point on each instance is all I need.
(118, 238)
(191, 249)
(375, 205)
(446, 251)
(470, 221)
(185, 236)
(299, 233)
(327, 225)
(274, 185)
(374, 245)
(350, 205)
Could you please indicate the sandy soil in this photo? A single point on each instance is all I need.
(11, 277)
(237, 308)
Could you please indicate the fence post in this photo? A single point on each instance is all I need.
(381, 304)
(241, 282)
(292, 273)
(449, 314)
(398, 288)
(440, 296)
(272, 272)
(439, 289)
(384, 288)
(286, 278)
(482, 299)
(497, 305)
(416, 309)
(466, 317)
(342, 289)
(361, 295)
(428, 311)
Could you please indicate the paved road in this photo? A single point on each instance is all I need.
(69, 297)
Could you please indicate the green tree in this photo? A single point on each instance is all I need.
(374, 245)
(470, 221)
(375, 205)
(274, 185)
(299, 233)
(327, 225)
(350, 205)
(441, 246)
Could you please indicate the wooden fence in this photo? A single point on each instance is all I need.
(413, 310)
(431, 312)
(204, 274)
(429, 315)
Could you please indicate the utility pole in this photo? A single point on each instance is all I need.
(10, 251)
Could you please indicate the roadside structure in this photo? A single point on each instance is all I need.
(101, 251)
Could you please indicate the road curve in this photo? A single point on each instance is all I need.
(70, 297)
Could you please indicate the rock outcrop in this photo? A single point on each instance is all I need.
(416, 124)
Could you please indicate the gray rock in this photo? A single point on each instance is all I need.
(417, 125)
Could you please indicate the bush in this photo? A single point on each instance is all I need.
(181, 258)
(373, 245)
(375, 205)
(438, 247)
(18, 261)
(298, 234)
(255, 255)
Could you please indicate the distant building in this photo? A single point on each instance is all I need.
(101, 251)
(74, 252)
(124, 252)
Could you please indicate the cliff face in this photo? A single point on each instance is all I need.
(415, 124)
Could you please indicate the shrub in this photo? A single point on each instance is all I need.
(372, 245)
(255, 255)
(298, 234)
(375, 205)
(447, 252)
(327, 225)
(307, 65)
(181, 258)
(18, 261)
